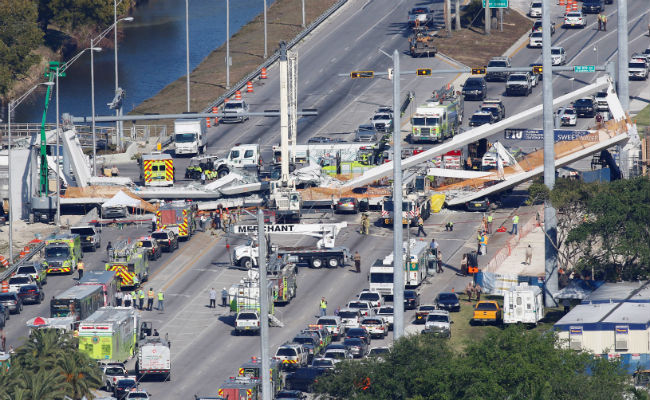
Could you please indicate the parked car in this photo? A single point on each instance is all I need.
(321, 362)
(154, 250)
(333, 324)
(474, 88)
(498, 103)
(535, 9)
(601, 101)
(486, 311)
(35, 270)
(379, 352)
(356, 346)
(535, 39)
(492, 109)
(422, 312)
(585, 107)
(290, 395)
(420, 14)
(447, 301)
(498, 62)
(137, 394)
(383, 122)
(637, 70)
(337, 355)
(358, 333)
(350, 317)
(111, 372)
(166, 238)
(411, 299)
(438, 323)
(123, 387)
(291, 355)
(575, 19)
(568, 116)
(481, 118)
(374, 298)
(366, 133)
(347, 205)
(322, 334)
(537, 26)
(323, 139)
(592, 6)
(31, 294)
(482, 204)
(234, 110)
(376, 326)
(309, 342)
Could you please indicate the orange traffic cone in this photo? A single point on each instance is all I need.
(574, 6)
(238, 95)
(214, 111)
(5, 286)
(249, 87)
(207, 121)
(263, 74)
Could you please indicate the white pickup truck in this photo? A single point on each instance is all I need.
(247, 321)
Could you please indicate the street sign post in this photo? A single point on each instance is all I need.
(584, 68)
(497, 3)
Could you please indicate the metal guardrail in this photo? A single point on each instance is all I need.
(239, 85)
(12, 268)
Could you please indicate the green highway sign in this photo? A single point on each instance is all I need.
(497, 3)
(584, 68)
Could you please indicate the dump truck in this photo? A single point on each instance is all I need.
(130, 263)
(154, 354)
(438, 118)
(421, 43)
(157, 169)
(62, 253)
(177, 216)
(110, 334)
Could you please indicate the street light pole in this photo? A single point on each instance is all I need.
(266, 53)
(303, 13)
(58, 155)
(92, 102)
(398, 259)
(227, 44)
(118, 124)
(187, 50)
(623, 71)
(264, 308)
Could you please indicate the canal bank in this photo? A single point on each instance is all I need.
(208, 79)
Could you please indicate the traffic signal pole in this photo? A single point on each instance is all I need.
(398, 260)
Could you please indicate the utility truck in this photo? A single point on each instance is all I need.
(325, 253)
(416, 269)
(177, 216)
(416, 203)
(189, 136)
(213, 166)
(110, 334)
(438, 118)
(154, 357)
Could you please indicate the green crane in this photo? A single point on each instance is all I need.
(50, 74)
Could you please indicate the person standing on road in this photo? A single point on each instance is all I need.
(489, 223)
(604, 18)
(203, 220)
(357, 261)
(134, 298)
(224, 297)
(118, 298)
(484, 242)
(127, 299)
(161, 301)
(213, 298)
(150, 296)
(515, 223)
(202, 177)
(469, 290)
(323, 307)
(439, 263)
(479, 236)
(153, 223)
(421, 227)
(109, 249)
(477, 291)
(600, 21)
(80, 269)
(141, 299)
(529, 255)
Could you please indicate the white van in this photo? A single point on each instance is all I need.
(523, 304)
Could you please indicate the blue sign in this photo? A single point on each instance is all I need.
(538, 134)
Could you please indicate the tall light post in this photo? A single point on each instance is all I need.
(11, 107)
(266, 53)
(118, 110)
(227, 44)
(92, 82)
(187, 50)
(303, 13)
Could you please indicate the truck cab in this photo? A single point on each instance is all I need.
(62, 253)
(90, 236)
(247, 321)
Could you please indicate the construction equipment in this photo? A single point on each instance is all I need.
(130, 263)
(438, 118)
(110, 333)
(177, 216)
(157, 169)
(154, 354)
(62, 253)
(421, 42)
(416, 202)
(283, 275)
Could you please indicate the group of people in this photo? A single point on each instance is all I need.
(473, 289)
(137, 297)
(213, 298)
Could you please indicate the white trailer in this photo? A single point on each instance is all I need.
(523, 304)
(154, 358)
(189, 136)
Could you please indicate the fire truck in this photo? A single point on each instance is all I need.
(177, 216)
(416, 203)
(130, 263)
(241, 388)
(439, 118)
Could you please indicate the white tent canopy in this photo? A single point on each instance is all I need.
(121, 199)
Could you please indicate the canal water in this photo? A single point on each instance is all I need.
(151, 54)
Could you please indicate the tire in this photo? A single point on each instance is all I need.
(222, 172)
(333, 262)
(246, 263)
(316, 262)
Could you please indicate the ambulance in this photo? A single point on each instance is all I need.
(157, 169)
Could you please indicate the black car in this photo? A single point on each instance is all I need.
(360, 333)
(356, 346)
(153, 248)
(447, 301)
(308, 342)
(303, 379)
(481, 118)
(411, 299)
(31, 294)
(585, 108)
(475, 89)
(167, 239)
(290, 395)
(478, 205)
(492, 109)
(592, 6)
(12, 302)
(123, 387)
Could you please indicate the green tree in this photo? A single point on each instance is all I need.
(81, 374)
(19, 37)
(508, 364)
(72, 15)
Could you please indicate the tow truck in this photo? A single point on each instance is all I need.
(325, 252)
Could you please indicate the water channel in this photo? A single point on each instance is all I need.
(151, 54)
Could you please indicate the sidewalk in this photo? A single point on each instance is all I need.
(638, 103)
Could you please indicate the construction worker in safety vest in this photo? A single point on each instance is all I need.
(479, 235)
(489, 223)
(150, 296)
(515, 223)
(323, 307)
(134, 299)
(483, 242)
(141, 299)
(161, 301)
(80, 269)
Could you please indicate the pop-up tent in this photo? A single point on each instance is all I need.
(121, 199)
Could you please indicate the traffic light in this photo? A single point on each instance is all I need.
(424, 71)
(478, 71)
(537, 69)
(362, 74)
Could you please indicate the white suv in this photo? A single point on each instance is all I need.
(291, 355)
(575, 19)
(350, 317)
(438, 323)
(535, 10)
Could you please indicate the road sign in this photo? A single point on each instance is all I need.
(497, 3)
(584, 68)
(362, 74)
(561, 135)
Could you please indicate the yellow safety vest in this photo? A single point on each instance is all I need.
(323, 304)
(515, 219)
(161, 296)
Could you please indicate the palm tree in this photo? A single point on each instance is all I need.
(81, 373)
(43, 347)
(42, 384)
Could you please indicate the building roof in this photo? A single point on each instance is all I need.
(637, 292)
(606, 316)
